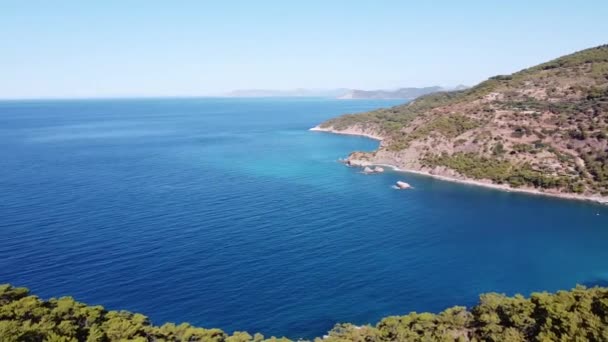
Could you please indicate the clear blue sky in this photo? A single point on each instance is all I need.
(167, 48)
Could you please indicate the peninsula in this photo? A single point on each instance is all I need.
(541, 130)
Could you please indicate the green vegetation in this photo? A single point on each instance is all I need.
(577, 315)
(591, 105)
(24, 317)
(597, 165)
(588, 56)
(391, 120)
(449, 126)
(498, 170)
(545, 126)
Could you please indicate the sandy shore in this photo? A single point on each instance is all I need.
(487, 184)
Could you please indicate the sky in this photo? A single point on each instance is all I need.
(111, 48)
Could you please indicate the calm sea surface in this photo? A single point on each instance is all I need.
(229, 213)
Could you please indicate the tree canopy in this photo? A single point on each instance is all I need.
(577, 315)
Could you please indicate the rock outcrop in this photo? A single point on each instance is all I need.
(402, 185)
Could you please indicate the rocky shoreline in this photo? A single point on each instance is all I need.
(348, 131)
(462, 180)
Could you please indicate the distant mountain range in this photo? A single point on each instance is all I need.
(288, 93)
(401, 93)
(343, 93)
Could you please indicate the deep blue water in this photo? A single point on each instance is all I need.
(228, 213)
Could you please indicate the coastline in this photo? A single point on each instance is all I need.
(501, 187)
(350, 131)
(474, 182)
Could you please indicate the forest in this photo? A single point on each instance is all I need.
(580, 314)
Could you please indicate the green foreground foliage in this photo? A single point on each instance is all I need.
(577, 315)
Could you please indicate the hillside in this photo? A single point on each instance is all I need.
(542, 128)
(577, 315)
(401, 93)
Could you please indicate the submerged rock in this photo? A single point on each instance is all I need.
(402, 185)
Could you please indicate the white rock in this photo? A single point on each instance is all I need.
(402, 185)
(367, 169)
(378, 169)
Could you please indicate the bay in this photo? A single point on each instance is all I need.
(229, 213)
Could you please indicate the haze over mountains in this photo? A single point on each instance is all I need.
(408, 93)
(299, 92)
(401, 93)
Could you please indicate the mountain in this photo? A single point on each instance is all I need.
(541, 129)
(341, 93)
(402, 93)
(287, 93)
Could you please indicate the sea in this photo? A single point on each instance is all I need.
(229, 213)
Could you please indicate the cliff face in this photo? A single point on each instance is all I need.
(545, 127)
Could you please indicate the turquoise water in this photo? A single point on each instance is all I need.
(229, 213)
